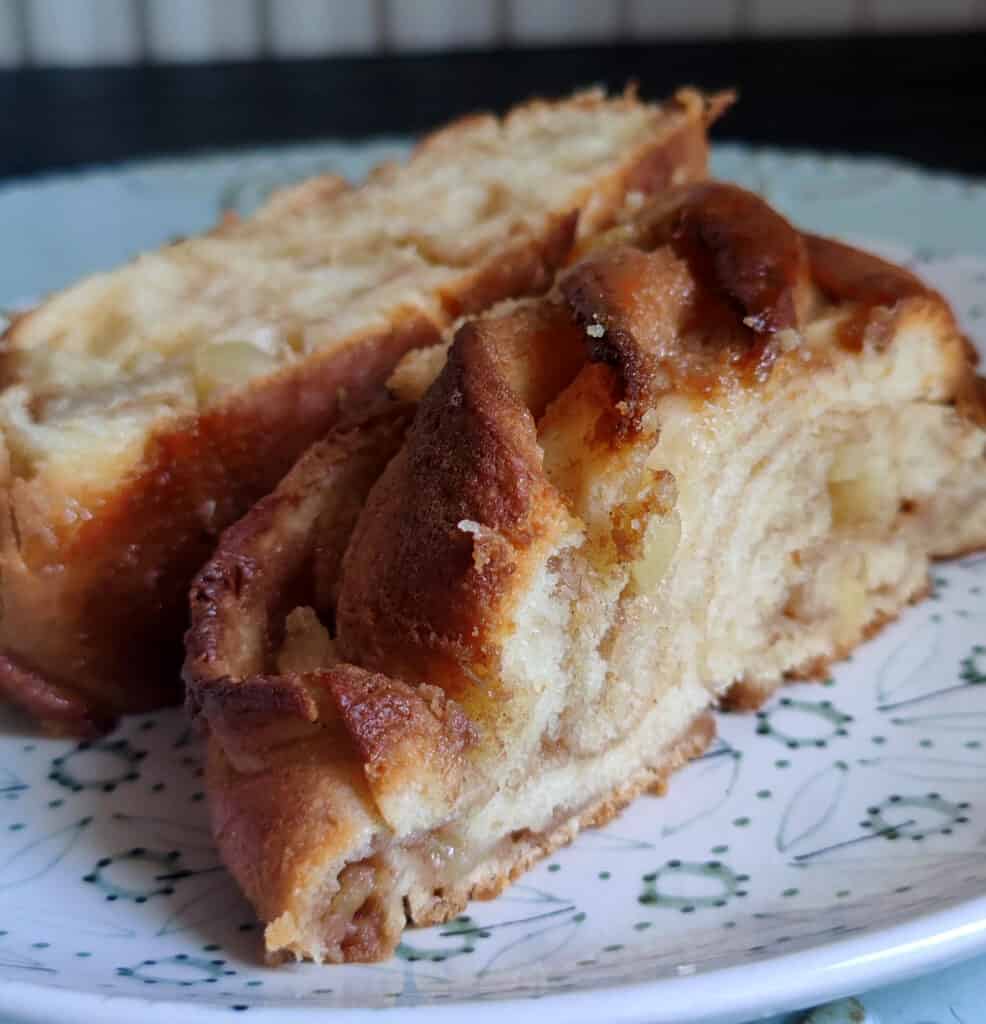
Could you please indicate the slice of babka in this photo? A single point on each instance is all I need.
(719, 453)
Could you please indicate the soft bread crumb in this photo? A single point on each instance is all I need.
(307, 644)
(416, 371)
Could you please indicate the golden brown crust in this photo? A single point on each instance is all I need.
(264, 821)
(63, 711)
(736, 244)
(421, 593)
(384, 727)
(264, 566)
(285, 551)
(92, 611)
(307, 762)
(696, 301)
(382, 714)
(971, 399)
(847, 274)
(267, 822)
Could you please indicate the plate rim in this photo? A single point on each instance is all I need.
(923, 942)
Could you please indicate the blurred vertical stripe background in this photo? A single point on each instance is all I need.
(101, 32)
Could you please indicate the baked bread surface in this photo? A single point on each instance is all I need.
(715, 456)
(144, 410)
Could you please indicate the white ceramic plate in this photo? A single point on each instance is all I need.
(833, 842)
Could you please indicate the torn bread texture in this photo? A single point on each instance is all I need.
(144, 410)
(717, 454)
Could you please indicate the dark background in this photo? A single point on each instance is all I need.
(920, 97)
